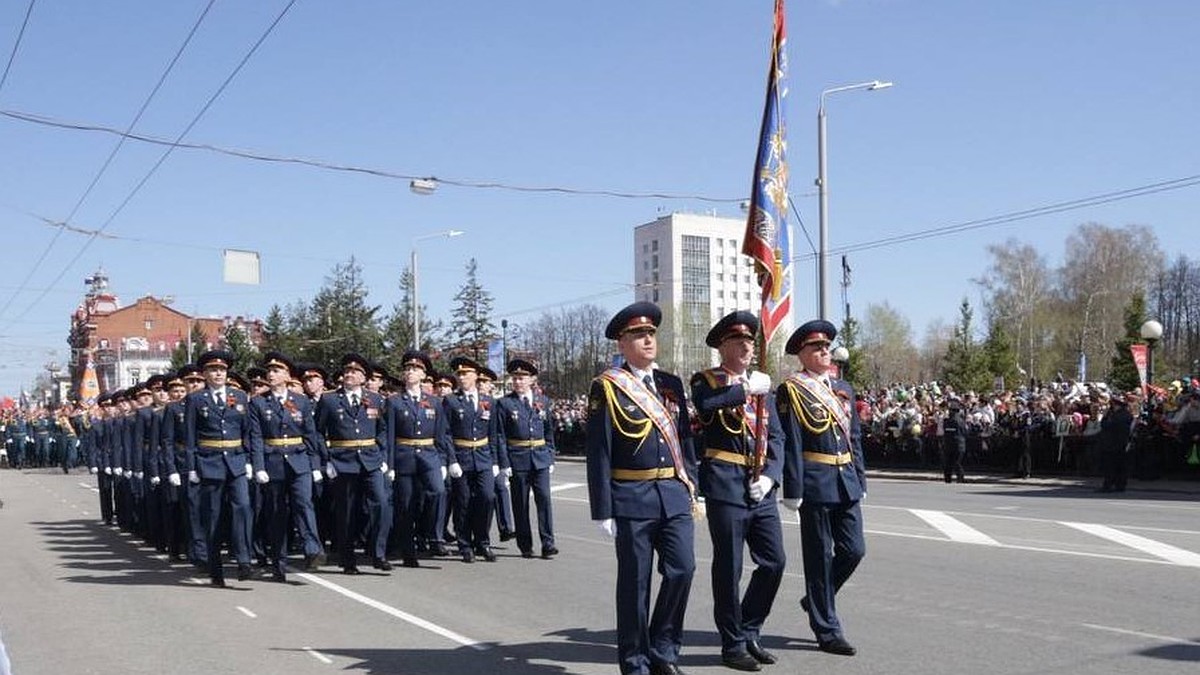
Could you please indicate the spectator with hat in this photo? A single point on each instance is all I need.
(525, 443)
(824, 477)
(640, 464)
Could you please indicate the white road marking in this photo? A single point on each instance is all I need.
(565, 486)
(85, 486)
(318, 656)
(1156, 548)
(247, 612)
(1136, 633)
(399, 614)
(84, 513)
(954, 528)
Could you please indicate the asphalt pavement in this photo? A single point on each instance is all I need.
(990, 576)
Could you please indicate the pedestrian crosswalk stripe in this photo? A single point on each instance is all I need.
(954, 528)
(564, 486)
(1156, 548)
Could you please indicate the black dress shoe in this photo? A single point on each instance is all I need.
(219, 582)
(411, 562)
(759, 653)
(526, 554)
(488, 554)
(468, 556)
(352, 569)
(838, 645)
(439, 550)
(244, 572)
(804, 605)
(507, 535)
(382, 564)
(278, 575)
(665, 669)
(549, 553)
(741, 661)
(313, 562)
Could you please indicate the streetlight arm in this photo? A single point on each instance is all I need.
(869, 86)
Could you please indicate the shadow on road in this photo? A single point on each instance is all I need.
(1089, 491)
(101, 555)
(1174, 652)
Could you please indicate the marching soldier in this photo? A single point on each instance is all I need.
(486, 382)
(416, 429)
(640, 464)
(283, 434)
(350, 419)
(525, 441)
(741, 464)
(823, 477)
(102, 457)
(216, 433)
(469, 422)
(177, 531)
(122, 473)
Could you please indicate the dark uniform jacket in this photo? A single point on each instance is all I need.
(517, 425)
(338, 422)
(808, 427)
(472, 429)
(206, 420)
(283, 432)
(725, 429)
(171, 436)
(621, 436)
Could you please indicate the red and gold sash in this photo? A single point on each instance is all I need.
(650, 404)
(823, 394)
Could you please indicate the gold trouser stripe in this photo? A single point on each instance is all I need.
(527, 444)
(825, 458)
(283, 442)
(644, 474)
(219, 444)
(358, 443)
(727, 456)
(417, 442)
(464, 443)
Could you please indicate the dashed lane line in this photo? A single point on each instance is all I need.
(954, 528)
(1138, 633)
(1167, 552)
(565, 486)
(318, 656)
(247, 612)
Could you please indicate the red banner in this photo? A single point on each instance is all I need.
(1139, 359)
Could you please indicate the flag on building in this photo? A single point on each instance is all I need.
(89, 384)
(767, 238)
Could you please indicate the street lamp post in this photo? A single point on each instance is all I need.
(1151, 331)
(823, 188)
(416, 307)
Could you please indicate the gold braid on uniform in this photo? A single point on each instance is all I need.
(808, 415)
(741, 422)
(625, 425)
(719, 413)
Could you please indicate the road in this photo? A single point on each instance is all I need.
(975, 578)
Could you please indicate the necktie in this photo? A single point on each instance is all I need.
(353, 400)
(649, 382)
(471, 399)
(217, 397)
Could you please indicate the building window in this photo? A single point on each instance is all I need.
(720, 243)
(732, 243)
(746, 295)
(654, 245)
(645, 248)
(720, 276)
(655, 295)
(654, 276)
(720, 294)
(645, 264)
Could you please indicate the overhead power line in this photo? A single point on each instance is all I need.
(16, 45)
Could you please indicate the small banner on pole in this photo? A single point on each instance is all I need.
(1139, 360)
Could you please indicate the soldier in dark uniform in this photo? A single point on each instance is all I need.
(824, 477)
(469, 424)
(503, 495)
(314, 380)
(176, 526)
(216, 432)
(525, 442)
(740, 466)
(102, 457)
(954, 441)
(640, 464)
(351, 421)
(122, 473)
(283, 433)
(154, 462)
(416, 429)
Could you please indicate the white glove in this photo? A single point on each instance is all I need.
(508, 472)
(117, 470)
(155, 480)
(128, 473)
(139, 475)
(173, 479)
(193, 478)
(249, 470)
(550, 469)
(383, 468)
(94, 470)
(318, 476)
(792, 504)
(456, 470)
(262, 477)
(108, 471)
(608, 526)
(445, 472)
(391, 475)
(760, 383)
(495, 471)
(760, 488)
(330, 471)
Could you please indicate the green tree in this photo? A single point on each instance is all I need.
(339, 319)
(964, 366)
(856, 366)
(1122, 370)
(181, 356)
(237, 341)
(397, 329)
(999, 356)
(280, 334)
(472, 327)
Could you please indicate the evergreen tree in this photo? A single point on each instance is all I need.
(339, 320)
(856, 366)
(279, 333)
(397, 330)
(237, 341)
(964, 366)
(472, 325)
(1122, 370)
(180, 355)
(999, 356)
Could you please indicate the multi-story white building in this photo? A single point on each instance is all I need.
(692, 266)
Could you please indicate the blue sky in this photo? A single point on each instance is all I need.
(998, 106)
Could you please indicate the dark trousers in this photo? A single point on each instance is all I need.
(213, 493)
(286, 502)
(123, 501)
(152, 509)
(198, 551)
(537, 480)
(105, 483)
(354, 494)
(473, 494)
(644, 638)
(410, 492)
(734, 527)
(176, 530)
(831, 539)
(953, 449)
(1116, 469)
(503, 504)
